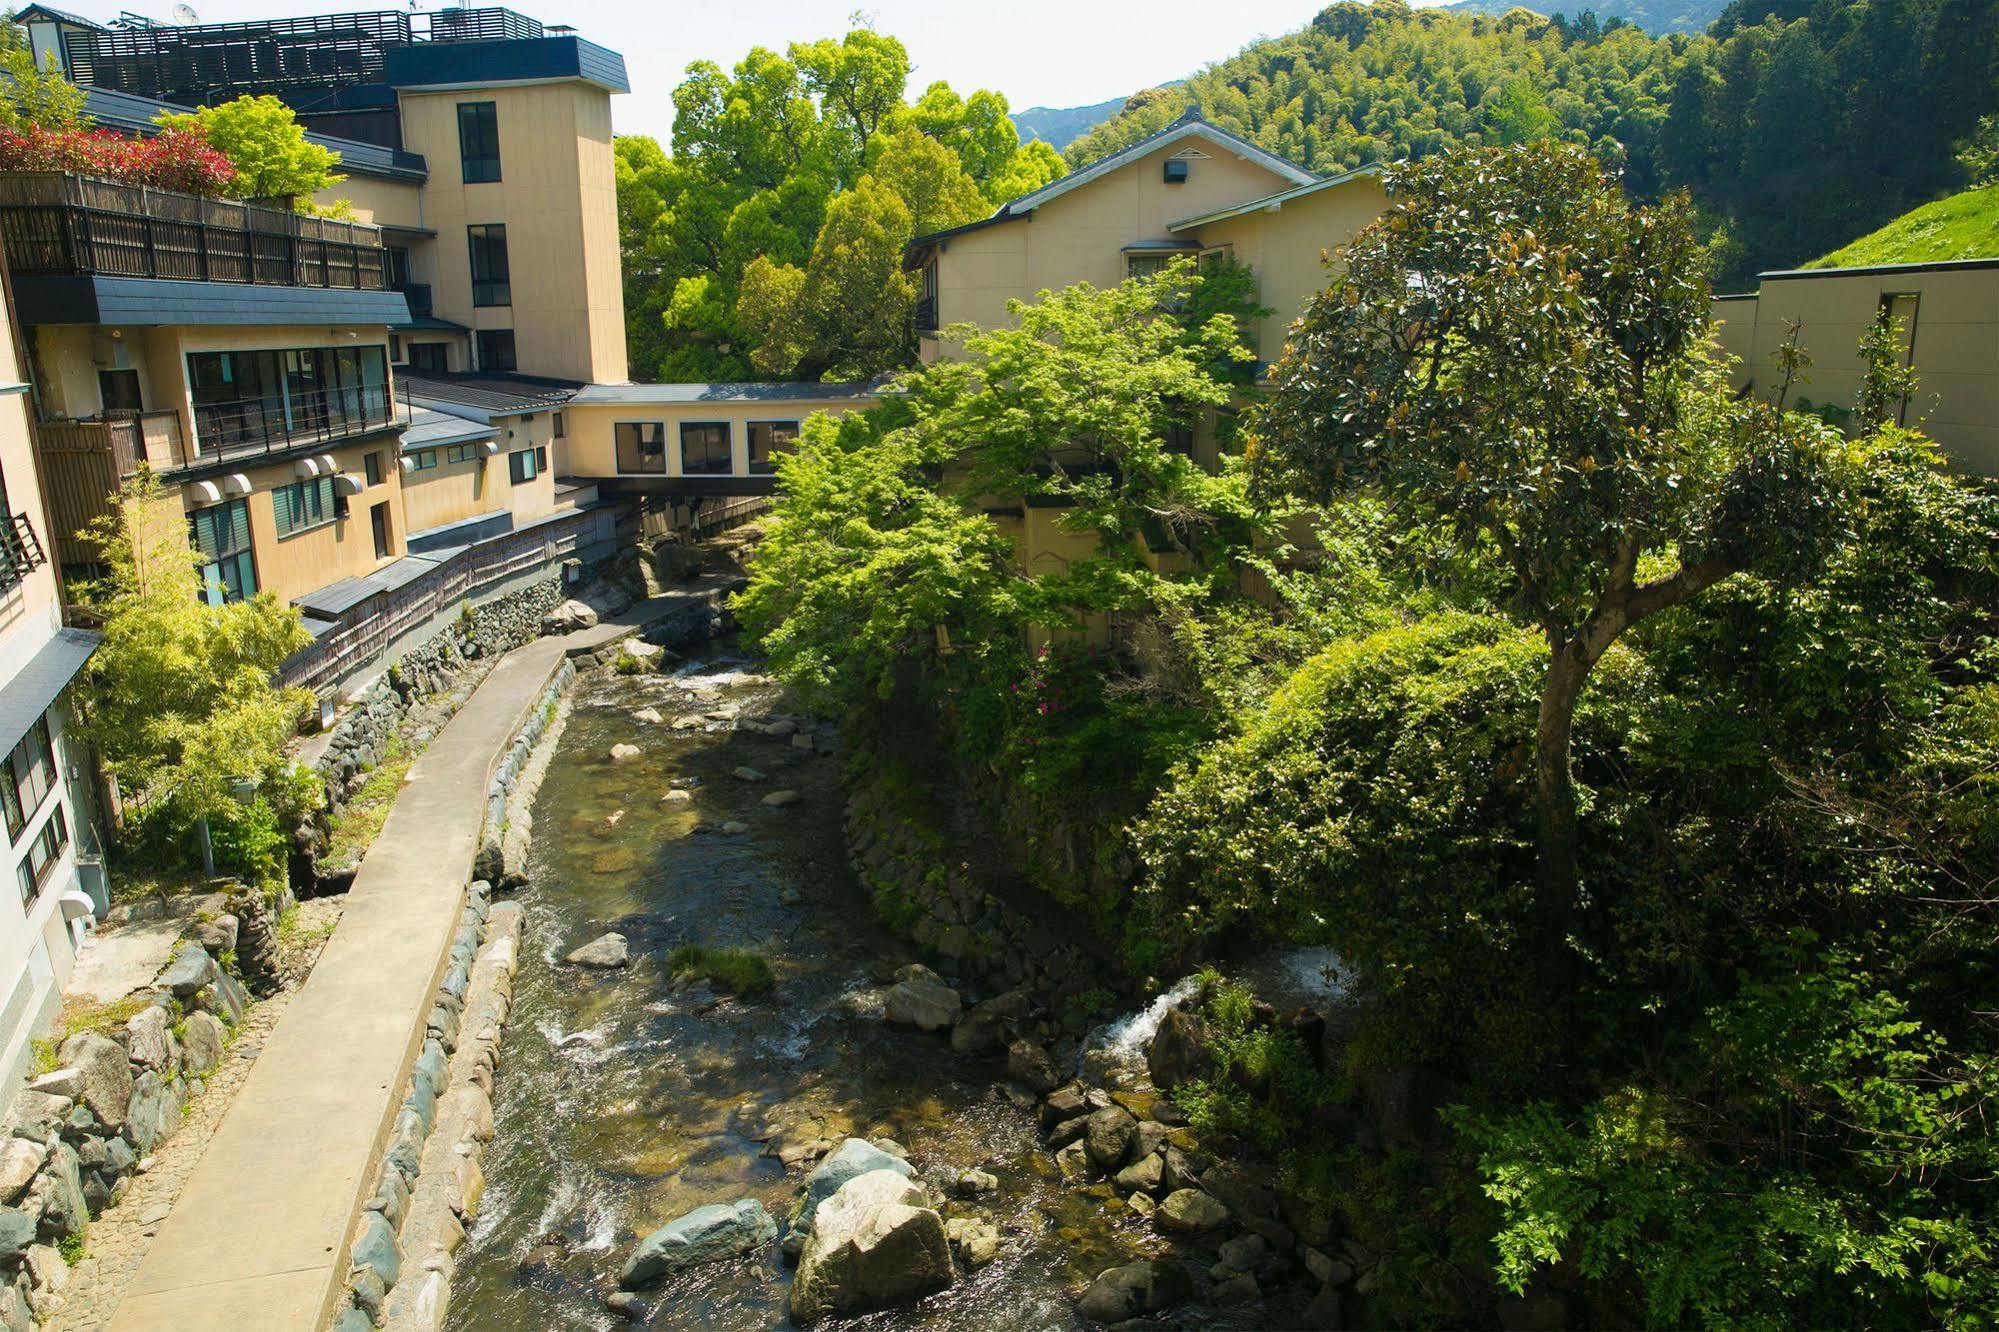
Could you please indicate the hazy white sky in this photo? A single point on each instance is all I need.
(1037, 52)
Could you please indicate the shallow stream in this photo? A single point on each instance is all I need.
(624, 1099)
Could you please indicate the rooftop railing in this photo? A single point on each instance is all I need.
(60, 225)
(251, 427)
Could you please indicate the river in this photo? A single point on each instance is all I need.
(625, 1099)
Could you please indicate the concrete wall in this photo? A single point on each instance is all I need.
(1955, 345)
(557, 197)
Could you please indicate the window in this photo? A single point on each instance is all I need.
(303, 504)
(428, 358)
(395, 348)
(460, 453)
(385, 541)
(398, 272)
(479, 141)
(541, 456)
(372, 464)
(767, 440)
(641, 446)
(222, 535)
(1903, 306)
(496, 350)
(118, 390)
(559, 427)
(264, 397)
(30, 776)
(491, 283)
(1146, 265)
(423, 461)
(704, 447)
(522, 466)
(43, 853)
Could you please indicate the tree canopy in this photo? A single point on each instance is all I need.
(263, 140)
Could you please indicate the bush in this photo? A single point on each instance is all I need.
(249, 844)
(730, 970)
(174, 159)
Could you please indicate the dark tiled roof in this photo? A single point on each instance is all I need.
(134, 115)
(670, 395)
(162, 302)
(336, 599)
(429, 429)
(36, 685)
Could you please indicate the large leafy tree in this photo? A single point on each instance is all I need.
(1515, 352)
(265, 143)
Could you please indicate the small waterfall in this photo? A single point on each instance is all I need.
(1123, 1041)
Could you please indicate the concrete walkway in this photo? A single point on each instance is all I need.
(259, 1236)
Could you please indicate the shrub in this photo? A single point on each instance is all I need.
(180, 158)
(731, 970)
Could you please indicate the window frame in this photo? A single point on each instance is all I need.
(24, 803)
(520, 472)
(49, 844)
(211, 571)
(479, 150)
(492, 280)
(728, 466)
(480, 343)
(618, 429)
(288, 499)
(768, 467)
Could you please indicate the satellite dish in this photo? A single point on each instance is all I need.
(183, 15)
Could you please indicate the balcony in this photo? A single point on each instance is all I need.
(154, 438)
(251, 428)
(55, 225)
(418, 296)
(926, 315)
(20, 550)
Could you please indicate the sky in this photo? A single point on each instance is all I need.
(1037, 52)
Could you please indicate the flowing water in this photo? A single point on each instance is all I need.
(625, 1100)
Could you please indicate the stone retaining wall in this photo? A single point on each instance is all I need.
(76, 1134)
(503, 841)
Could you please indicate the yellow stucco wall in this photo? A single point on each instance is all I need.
(28, 610)
(1080, 236)
(557, 197)
(1285, 249)
(383, 202)
(453, 491)
(591, 449)
(1956, 347)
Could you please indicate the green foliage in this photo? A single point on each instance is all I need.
(1890, 379)
(183, 701)
(265, 143)
(1979, 154)
(731, 970)
(72, 1248)
(38, 97)
(770, 241)
(1962, 226)
(248, 843)
(628, 664)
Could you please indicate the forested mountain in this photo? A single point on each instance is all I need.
(1063, 125)
(1794, 134)
(1652, 15)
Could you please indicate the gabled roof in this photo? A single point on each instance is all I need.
(1189, 126)
(33, 12)
(1272, 202)
(134, 115)
(481, 397)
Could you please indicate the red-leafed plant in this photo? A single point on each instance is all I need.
(177, 158)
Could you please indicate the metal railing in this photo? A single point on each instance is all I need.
(60, 225)
(251, 426)
(926, 315)
(20, 550)
(418, 296)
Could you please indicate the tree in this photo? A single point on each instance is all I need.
(859, 82)
(1979, 154)
(1890, 379)
(183, 701)
(264, 141)
(1515, 353)
(37, 96)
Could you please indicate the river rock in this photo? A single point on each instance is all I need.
(153, 1114)
(1144, 1175)
(780, 799)
(974, 1182)
(853, 1158)
(650, 716)
(605, 952)
(568, 618)
(201, 1047)
(104, 1075)
(748, 774)
(57, 1194)
(190, 970)
(705, 1235)
(20, 1161)
(1244, 1253)
(987, 1026)
(1134, 1289)
(874, 1244)
(676, 796)
(149, 1041)
(623, 753)
(920, 998)
(974, 1240)
(1033, 1067)
(1189, 1212)
(1181, 1050)
(1108, 1137)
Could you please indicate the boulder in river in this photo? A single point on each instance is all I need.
(874, 1244)
(779, 799)
(988, 1026)
(569, 617)
(1189, 1212)
(1136, 1288)
(705, 1235)
(1033, 1067)
(650, 716)
(1181, 1051)
(920, 998)
(605, 952)
(1108, 1137)
(748, 774)
(853, 1158)
(623, 753)
(973, 1239)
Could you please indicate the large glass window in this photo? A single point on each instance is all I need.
(704, 447)
(43, 853)
(522, 466)
(496, 350)
(492, 282)
(30, 776)
(479, 141)
(303, 504)
(274, 397)
(767, 440)
(430, 358)
(641, 446)
(222, 535)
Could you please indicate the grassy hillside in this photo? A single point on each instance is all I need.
(1964, 226)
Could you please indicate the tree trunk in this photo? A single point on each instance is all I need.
(1568, 667)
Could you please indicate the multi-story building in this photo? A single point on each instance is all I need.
(46, 803)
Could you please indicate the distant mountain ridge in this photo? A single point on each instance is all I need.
(1657, 17)
(1063, 125)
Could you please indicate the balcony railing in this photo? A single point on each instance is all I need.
(418, 296)
(926, 315)
(154, 438)
(252, 426)
(20, 550)
(58, 225)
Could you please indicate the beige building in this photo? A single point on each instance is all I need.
(1192, 189)
(1949, 315)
